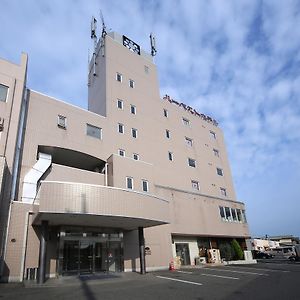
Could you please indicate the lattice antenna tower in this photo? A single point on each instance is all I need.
(153, 44)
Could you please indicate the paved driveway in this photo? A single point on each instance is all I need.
(265, 280)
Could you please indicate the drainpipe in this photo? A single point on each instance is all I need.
(24, 246)
(106, 175)
(142, 250)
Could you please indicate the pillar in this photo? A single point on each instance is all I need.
(43, 252)
(142, 250)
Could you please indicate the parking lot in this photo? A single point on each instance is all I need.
(269, 279)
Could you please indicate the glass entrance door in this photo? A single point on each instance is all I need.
(86, 250)
(182, 250)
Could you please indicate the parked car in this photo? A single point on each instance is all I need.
(261, 254)
(283, 252)
(296, 255)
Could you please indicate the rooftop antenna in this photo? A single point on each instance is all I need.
(94, 38)
(104, 33)
(153, 44)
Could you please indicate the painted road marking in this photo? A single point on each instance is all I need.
(179, 280)
(267, 270)
(185, 272)
(241, 272)
(219, 276)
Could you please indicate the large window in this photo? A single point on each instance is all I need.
(229, 214)
(93, 131)
(129, 183)
(3, 92)
(192, 162)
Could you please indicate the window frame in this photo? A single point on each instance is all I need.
(137, 155)
(195, 185)
(168, 134)
(220, 171)
(119, 75)
(133, 112)
(190, 160)
(186, 122)
(134, 133)
(127, 181)
(122, 104)
(131, 83)
(122, 151)
(88, 125)
(120, 125)
(189, 142)
(166, 113)
(170, 156)
(213, 134)
(59, 124)
(223, 191)
(216, 152)
(6, 88)
(147, 185)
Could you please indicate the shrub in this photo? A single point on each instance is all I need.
(237, 250)
(226, 251)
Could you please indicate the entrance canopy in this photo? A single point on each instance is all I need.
(67, 203)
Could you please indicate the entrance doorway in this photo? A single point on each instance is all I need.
(182, 250)
(86, 253)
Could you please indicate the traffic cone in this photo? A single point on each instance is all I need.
(171, 266)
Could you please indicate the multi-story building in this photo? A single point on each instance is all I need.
(128, 184)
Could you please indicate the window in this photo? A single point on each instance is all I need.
(145, 185)
(93, 131)
(170, 154)
(222, 213)
(244, 219)
(228, 214)
(131, 83)
(216, 152)
(195, 185)
(61, 122)
(212, 134)
(234, 215)
(119, 77)
(134, 133)
(129, 183)
(186, 122)
(192, 162)
(166, 113)
(146, 68)
(239, 215)
(120, 128)
(223, 192)
(3, 92)
(133, 109)
(120, 104)
(135, 156)
(189, 141)
(167, 133)
(121, 152)
(220, 171)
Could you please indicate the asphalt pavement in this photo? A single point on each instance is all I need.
(269, 279)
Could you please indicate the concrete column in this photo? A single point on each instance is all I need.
(43, 252)
(142, 250)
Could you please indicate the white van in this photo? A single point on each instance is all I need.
(283, 252)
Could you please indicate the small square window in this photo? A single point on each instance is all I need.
(171, 157)
(136, 156)
(119, 77)
(166, 113)
(168, 134)
(133, 109)
(131, 83)
(121, 152)
(3, 92)
(120, 128)
(216, 152)
(192, 162)
(186, 122)
(223, 191)
(129, 183)
(94, 131)
(145, 185)
(62, 122)
(134, 133)
(120, 104)
(146, 68)
(212, 134)
(220, 171)
(189, 141)
(195, 185)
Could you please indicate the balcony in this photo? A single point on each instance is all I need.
(68, 203)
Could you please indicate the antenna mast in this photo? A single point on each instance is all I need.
(104, 33)
(94, 38)
(153, 44)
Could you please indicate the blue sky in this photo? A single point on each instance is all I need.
(237, 61)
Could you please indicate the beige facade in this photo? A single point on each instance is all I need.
(132, 164)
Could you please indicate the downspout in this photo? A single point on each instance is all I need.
(106, 175)
(24, 246)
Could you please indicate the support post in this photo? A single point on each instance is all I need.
(43, 252)
(142, 250)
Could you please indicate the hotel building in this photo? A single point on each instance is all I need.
(126, 185)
